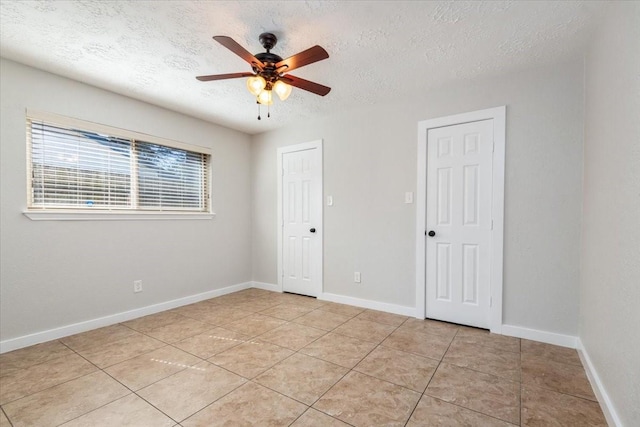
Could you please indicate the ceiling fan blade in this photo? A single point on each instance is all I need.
(307, 85)
(306, 57)
(223, 76)
(243, 53)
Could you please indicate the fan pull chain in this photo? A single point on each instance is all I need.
(259, 118)
(268, 111)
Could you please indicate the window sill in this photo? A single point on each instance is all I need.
(61, 215)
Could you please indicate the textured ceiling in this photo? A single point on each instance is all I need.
(380, 51)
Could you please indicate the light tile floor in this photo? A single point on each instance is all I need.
(267, 359)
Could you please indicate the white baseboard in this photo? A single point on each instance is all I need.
(364, 303)
(373, 305)
(266, 286)
(64, 331)
(601, 394)
(542, 336)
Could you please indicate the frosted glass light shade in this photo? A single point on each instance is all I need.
(282, 89)
(255, 84)
(265, 97)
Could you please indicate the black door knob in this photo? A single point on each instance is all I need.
(432, 233)
(313, 230)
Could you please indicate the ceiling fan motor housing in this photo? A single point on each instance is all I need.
(269, 72)
(272, 67)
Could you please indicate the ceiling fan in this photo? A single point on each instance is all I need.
(270, 70)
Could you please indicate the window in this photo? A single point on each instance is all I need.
(83, 166)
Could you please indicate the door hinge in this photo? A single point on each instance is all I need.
(490, 301)
(492, 224)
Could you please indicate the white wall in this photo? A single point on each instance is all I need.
(370, 162)
(610, 273)
(58, 273)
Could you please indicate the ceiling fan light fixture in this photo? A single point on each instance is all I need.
(256, 84)
(268, 68)
(282, 89)
(265, 97)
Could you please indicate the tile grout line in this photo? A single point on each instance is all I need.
(248, 380)
(6, 416)
(350, 369)
(251, 380)
(54, 385)
(431, 379)
(134, 392)
(211, 403)
(116, 380)
(481, 372)
(317, 358)
(298, 351)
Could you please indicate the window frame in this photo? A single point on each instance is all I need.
(77, 214)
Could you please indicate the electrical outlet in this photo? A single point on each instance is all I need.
(137, 286)
(356, 277)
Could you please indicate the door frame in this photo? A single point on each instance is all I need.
(498, 115)
(280, 225)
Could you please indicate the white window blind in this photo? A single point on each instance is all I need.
(81, 165)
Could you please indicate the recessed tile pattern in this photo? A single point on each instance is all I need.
(66, 401)
(292, 336)
(398, 367)
(487, 339)
(502, 363)
(550, 352)
(320, 319)
(4, 421)
(542, 407)
(478, 391)
(148, 368)
(211, 342)
(104, 355)
(343, 309)
(435, 412)
(102, 336)
(361, 400)
(426, 345)
(251, 358)
(197, 388)
(29, 356)
(382, 317)
(182, 328)
(432, 327)
(339, 349)
(254, 325)
(303, 378)
(39, 377)
(130, 411)
(314, 418)
(561, 377)
(218, 315)
(256, 357)
(266, 408)
(286, 311)
(365, 330)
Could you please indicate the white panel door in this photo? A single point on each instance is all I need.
(301, 227)
(458, 250)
